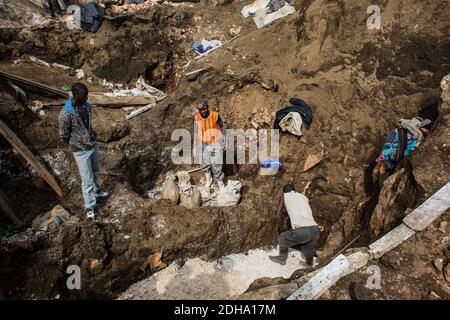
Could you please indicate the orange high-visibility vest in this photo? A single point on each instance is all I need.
(208, 129)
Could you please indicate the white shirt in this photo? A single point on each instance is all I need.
(298, 209)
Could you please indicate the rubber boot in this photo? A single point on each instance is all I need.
(208, 182)
(281, 259)
(309, 262)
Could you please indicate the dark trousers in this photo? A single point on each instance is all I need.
(306, 237)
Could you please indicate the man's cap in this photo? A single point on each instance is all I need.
(202, 102)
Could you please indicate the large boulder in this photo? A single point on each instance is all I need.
(397, 194)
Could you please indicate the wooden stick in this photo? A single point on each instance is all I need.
(4, 205)
(20, 147)
(139, 111)
(194, 72)
(199, 169)
(348, 245)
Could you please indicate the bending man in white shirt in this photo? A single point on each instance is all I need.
(305, 231)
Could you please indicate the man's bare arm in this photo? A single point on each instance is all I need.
(281, 210)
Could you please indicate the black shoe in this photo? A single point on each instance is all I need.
(279, 259)
(102, 195)
(307, 263)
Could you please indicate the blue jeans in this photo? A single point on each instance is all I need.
(88, 163)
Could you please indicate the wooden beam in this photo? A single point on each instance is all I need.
(20, 147)
(34, 84)
(6, 208)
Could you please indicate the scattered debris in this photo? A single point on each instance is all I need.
(80, 74)
(312, 161)
(235, 30)
(36, 106)
(53, 220)
(142, 90)
(260, 118)
(251, 9)
(60, 66)
(154, 262)
(39, 61)
(267, 11)
(204, 46)
(215, 48)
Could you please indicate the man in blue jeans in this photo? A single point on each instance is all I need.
(75, 128)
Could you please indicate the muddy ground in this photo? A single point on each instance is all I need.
(358, 82)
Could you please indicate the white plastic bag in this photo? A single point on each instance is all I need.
(189, 195)
(229, 195)
(292, 123)
(255, 6)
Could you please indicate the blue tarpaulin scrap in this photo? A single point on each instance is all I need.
(202, 46)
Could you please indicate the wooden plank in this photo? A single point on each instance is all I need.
(390, 241)
(435, 206)
(20, 147)
(6, 208)
(323, 280)
(34, 84)
(99, 99)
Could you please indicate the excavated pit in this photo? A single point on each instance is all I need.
(348, 83)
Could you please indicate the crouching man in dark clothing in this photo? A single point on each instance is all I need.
(75, 128)
(305, 232)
